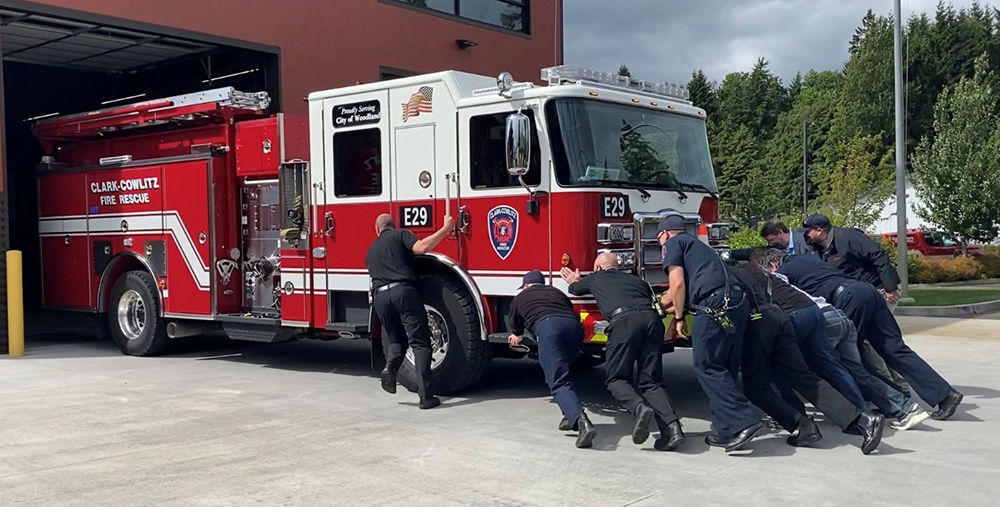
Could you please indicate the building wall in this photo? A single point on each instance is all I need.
(331, 43)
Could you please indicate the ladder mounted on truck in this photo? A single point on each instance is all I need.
(186, 109)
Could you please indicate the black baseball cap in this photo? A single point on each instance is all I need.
(532, 277)
(817, 220)
(672, 223)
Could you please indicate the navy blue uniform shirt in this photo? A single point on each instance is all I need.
(704, 272)
(812, 275)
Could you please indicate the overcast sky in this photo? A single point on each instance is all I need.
(664, 40)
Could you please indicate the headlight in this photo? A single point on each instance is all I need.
(626, 258)
(615, 233)
(718, 232)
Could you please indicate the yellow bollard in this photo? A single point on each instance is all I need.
(15, 304)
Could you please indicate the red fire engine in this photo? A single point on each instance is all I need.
(179, 215)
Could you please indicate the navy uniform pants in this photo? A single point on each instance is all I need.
(717, 357)
(810, 328)
(867, 310)
(404, 323)
(634, 338)
(844, 339)
(559, 341)
(771, 352)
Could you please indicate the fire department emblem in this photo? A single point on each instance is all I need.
(503, 229)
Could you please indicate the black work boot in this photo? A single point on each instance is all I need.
(643, 415)
(947, 406)
(388, 376)
(671, 436)
(429, 402)
(587, 432)
(871, 429)
(808, 433)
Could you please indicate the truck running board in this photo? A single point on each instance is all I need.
(348, 329)
(254, 329)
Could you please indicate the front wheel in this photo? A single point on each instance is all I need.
(133, 315)
(459, 356)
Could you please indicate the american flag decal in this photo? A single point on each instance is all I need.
(419, 102)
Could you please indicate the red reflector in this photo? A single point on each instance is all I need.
(709, 210)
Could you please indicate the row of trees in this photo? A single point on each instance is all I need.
(757, 123)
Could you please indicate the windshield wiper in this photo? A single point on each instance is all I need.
(698, 186)
(624, 184)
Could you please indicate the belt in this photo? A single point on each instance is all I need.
(626, 309)
(389, 286)
(735, 294)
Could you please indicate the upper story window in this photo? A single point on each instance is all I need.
(508, 14)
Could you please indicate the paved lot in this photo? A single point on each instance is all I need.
(219, 422)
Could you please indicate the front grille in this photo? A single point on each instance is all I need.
(649, 260)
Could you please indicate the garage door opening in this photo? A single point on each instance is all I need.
(55, 66)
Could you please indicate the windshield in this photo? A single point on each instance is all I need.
(598, 143)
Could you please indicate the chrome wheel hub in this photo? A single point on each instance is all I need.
(439, 338)
(131, 314)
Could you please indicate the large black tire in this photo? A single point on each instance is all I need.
(140, 331)
(467, 356)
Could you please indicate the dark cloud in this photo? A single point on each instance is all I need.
(665, 40)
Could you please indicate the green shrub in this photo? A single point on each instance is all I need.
(989, 265)
(991, 249)
(889, 249)
(950, 270)
(746, 237)
(918, 270)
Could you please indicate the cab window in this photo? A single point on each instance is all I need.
(489, 159)
(357, 163)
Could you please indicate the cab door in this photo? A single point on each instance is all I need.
(356, 189)
(425, 191)
(507, 231)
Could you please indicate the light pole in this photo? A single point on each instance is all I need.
(805, 167)
(900, 159)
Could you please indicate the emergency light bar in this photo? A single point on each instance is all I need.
(563, 74)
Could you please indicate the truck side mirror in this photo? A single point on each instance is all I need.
(518, 143)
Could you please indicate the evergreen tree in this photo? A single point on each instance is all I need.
(702, 93)
(623, 71)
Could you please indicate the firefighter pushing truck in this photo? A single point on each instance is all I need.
(176, 216)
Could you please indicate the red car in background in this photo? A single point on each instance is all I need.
(932, 243)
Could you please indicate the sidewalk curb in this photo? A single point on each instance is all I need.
(948, 311)
(963, 283)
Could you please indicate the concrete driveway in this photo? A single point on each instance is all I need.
(220, 423)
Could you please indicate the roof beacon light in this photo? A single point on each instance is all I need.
(564, 74)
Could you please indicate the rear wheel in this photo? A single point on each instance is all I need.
(459, 356)
(133, 315)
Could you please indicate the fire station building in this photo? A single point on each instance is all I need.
(68, 56)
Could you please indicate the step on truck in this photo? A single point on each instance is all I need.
(172, 217)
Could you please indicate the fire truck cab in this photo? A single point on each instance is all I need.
(171, 217)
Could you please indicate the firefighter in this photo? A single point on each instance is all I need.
(398, 304)
(771, 351)
(549, 315)
(839, 332)
(700, 281)
(867, 310)
(635, 334)
(861, 258)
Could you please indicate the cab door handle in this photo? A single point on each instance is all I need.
(329, 224)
